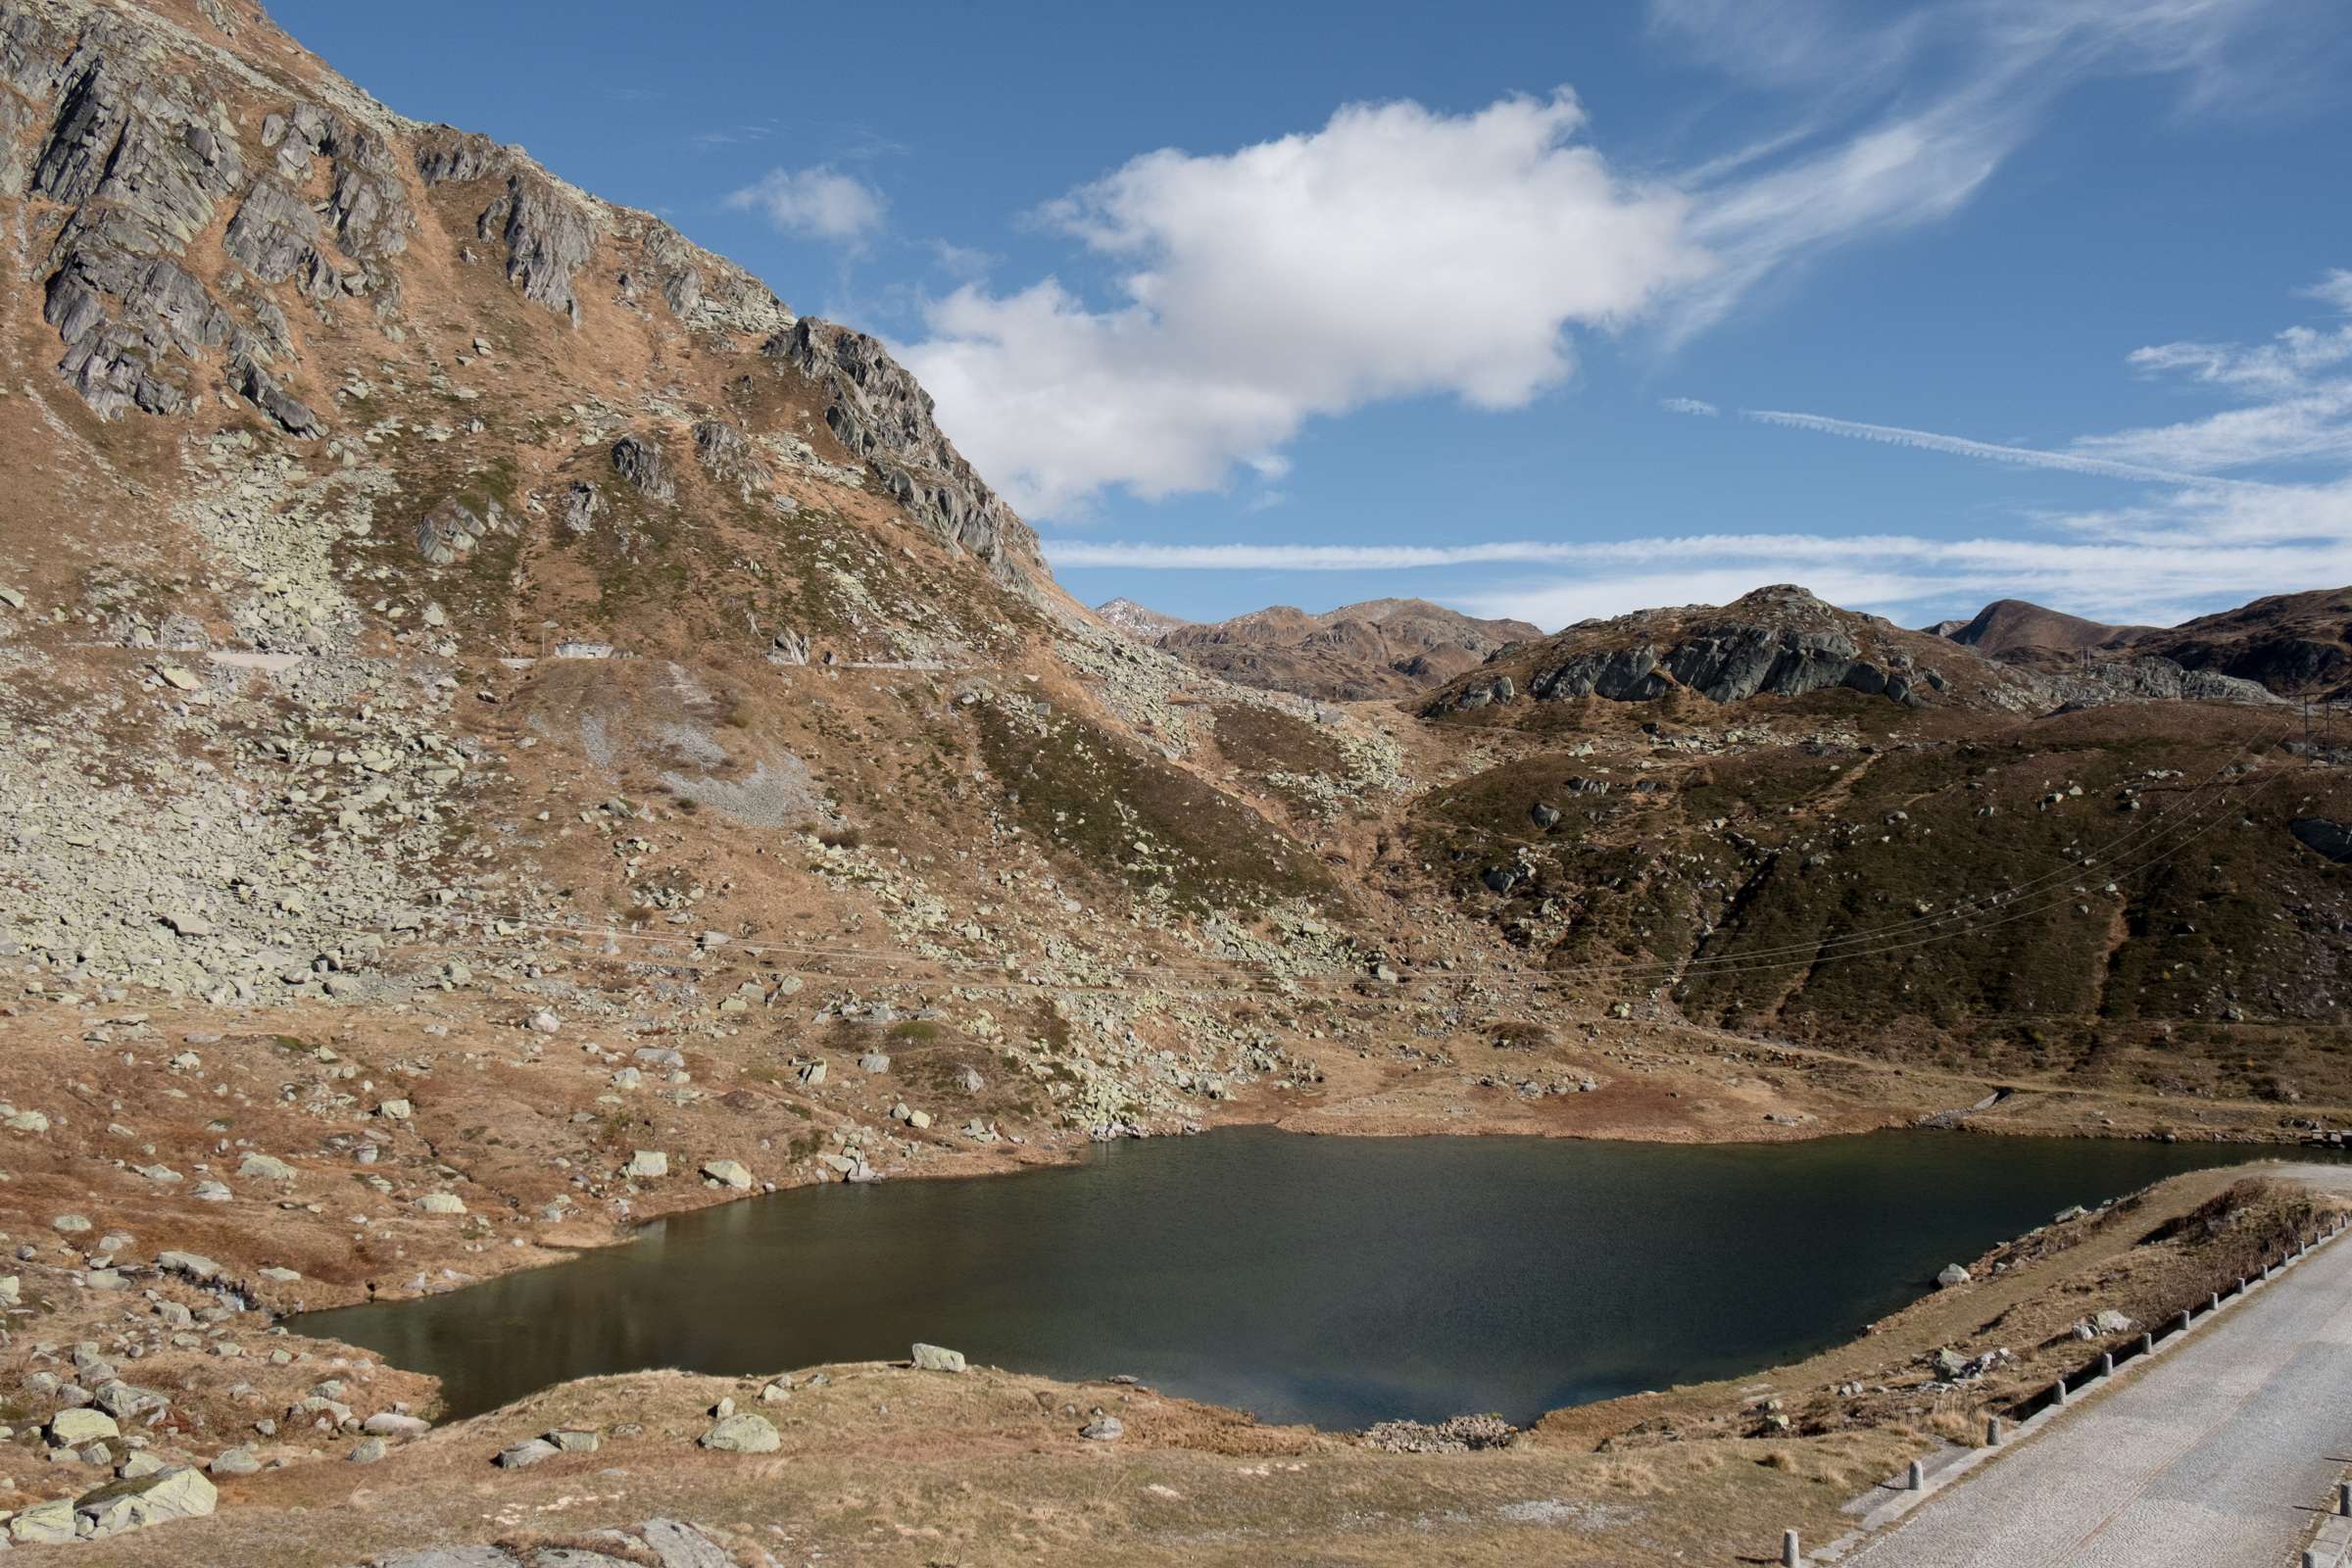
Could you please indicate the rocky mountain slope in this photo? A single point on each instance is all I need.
(513, 731)
(1140, 621)
(2295, 645)
(1381, 648)
(1783, 642)
(2009, 624)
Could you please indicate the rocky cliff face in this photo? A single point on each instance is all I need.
(876, 410)
(309, 400)
(206, 220)
(1779, 641)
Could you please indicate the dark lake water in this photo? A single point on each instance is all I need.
(1333, 1280)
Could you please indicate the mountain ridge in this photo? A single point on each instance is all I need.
(1378, 648)
(2295, 645)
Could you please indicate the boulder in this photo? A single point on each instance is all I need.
(234, 1462)
(264, 1167)
(72, 1429)
(180, 1492)
(523, 1456)
(44, 1524)
(732, 1173)
(454, 1558)
(1104, 1429)
(743, 1434)
(646, 1163)
(938, 1358)
(393, 1424)
(441, 1203)
(1953, 1274)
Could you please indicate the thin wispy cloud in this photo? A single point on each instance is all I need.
(963, 261)
(1886, 572)
(1903, 117)
(1983, 451)
(1258, 289)
(2187, 539)
(730, 137)
(1694, 405)
(818, 202)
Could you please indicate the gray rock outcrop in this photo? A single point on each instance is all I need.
(548, 230)
(639, 462)
(1725, 664)
(885, 418)
(727, 456)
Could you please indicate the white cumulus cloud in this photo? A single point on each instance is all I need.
(820, 202)
(1397, 251)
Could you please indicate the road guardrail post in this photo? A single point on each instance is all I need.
(1791, 1555)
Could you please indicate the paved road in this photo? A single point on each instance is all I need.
(2200, 1461)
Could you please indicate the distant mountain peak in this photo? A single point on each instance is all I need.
(1138, 620)
(1380, 648)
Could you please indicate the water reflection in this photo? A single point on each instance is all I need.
(1333, 1280)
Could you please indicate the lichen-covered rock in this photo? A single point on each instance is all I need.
(275, 236)
(261, 389)
(638, 459)
(937, 1358)
(143, 176)
(583, 503)
(451, 531)
(742, 1434)
(726, 456)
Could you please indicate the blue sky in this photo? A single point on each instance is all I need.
(1305, 304)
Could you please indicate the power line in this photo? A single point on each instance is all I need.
(1890, 939)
